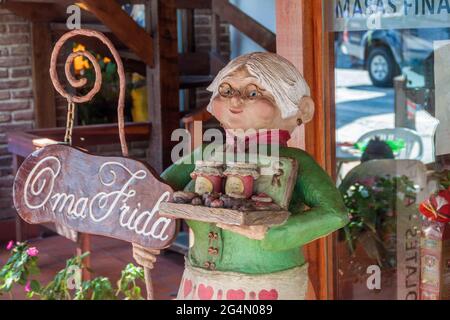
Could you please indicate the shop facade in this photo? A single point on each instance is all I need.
(377, 71)
(378, 75)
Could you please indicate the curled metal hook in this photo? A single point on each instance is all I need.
(78, 83)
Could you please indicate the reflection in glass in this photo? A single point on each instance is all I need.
(392, 109)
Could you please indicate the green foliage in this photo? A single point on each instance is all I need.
(103, 106)
(18, 269)
(99, 288)
(372, 204)
(21, 268)
(444, 179)
(58, 288)
(127, 282)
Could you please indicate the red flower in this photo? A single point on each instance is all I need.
(28, 286)
(437, 207)
(10, 245)
(32, 252)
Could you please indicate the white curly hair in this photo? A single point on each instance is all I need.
(274, 73)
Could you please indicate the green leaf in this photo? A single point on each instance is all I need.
(111, 68)
(35, 286)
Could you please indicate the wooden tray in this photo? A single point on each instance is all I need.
(226, 216)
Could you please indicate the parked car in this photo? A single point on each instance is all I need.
(386, 53)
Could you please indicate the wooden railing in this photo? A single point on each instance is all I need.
(23, 143)
(224, 10)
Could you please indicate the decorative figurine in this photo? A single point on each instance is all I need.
(264, 92)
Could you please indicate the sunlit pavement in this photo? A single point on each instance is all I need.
(361, 108)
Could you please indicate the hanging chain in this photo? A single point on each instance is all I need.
(69, 123)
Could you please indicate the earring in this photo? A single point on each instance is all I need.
(299, 122)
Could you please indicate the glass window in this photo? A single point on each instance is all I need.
(392, 105)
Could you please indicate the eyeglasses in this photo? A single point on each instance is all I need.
(250, 92)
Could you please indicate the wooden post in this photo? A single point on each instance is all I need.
(401, 117)
(110, 13)
(188, 44)
(301, 38)
(244, 23)
(83, 246)
(17, 161)
(44, 97)
(163, 83)
(215, 33)
(149, 283)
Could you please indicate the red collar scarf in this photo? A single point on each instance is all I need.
(262, 137)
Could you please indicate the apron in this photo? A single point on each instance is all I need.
(201, 284)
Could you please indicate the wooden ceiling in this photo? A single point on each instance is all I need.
(108, 12)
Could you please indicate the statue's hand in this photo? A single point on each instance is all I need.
(251, 232)
(144, 257)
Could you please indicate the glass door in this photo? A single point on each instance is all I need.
(391, 107)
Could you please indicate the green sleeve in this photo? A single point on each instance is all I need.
(327, 212)
(178, 175)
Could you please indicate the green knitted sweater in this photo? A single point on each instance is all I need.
(280, 249)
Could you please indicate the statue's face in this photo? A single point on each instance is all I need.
(242, 104)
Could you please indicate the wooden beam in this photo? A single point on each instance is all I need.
(93, 43)
(163, 82)
(216, 63)
(59, 26)
(244, 23)
(299, 38)
(191, 82)
(130, 60)
(45, 10)
(194, 63)
(180, 4)
(39, 12)
(124, 27)
(291, 45)
(215, 34)
(92, 135)
(33, 1)
(186, 21)
(72, 1)
(23, 143)
(44, 96)
(132, 64)
(193, 4)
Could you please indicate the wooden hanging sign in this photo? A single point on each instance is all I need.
(111, 196)
(116, 197)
